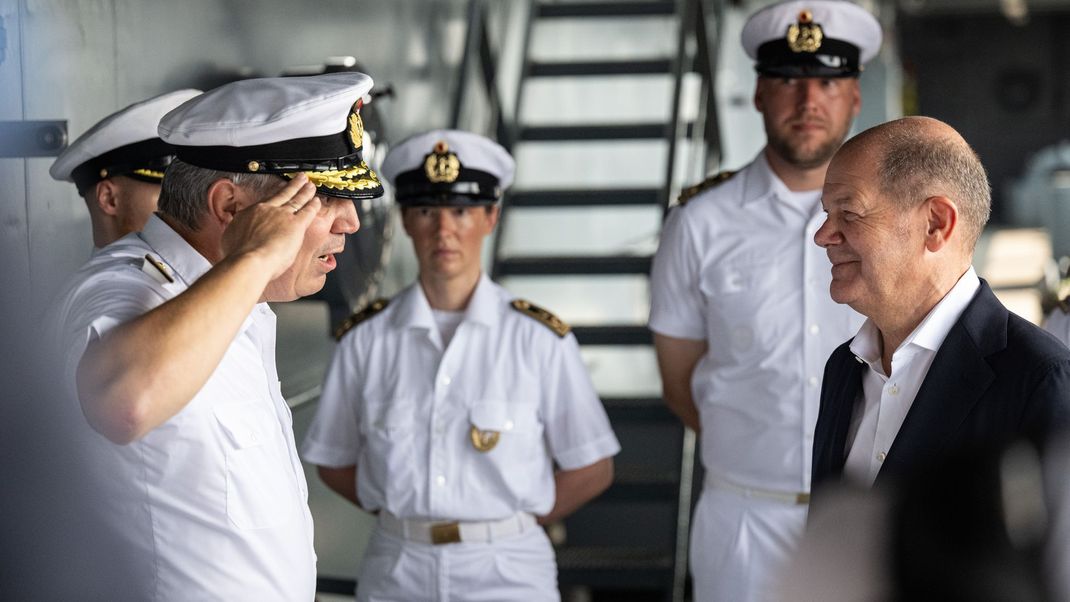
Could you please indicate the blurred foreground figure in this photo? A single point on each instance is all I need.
(971, 527)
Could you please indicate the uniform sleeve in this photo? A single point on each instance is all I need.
(97, 306)
(677, 306)
(334, 439)
(577, 428)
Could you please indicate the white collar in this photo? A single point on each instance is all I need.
(932, 330)
(174, 250)
(414, 311)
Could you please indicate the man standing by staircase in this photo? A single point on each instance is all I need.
(740, 309)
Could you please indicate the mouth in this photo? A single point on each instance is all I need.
(328, 261)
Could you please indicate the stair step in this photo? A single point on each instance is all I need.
(586, 68)
(636, 131)
(606, 9)
(613, 335)
(638, 409)
(572, 266)
(584, 198)
(336, 585)
(640, 483)
(614, 567)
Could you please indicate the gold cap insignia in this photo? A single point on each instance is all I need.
(483, 441)
(356, 125)
(805, 36)
(442, 166)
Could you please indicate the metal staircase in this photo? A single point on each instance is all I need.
(592, 268)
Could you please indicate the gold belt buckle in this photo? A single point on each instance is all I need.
(446, 533)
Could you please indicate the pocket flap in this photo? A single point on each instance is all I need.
(245, 424)
(502, 416)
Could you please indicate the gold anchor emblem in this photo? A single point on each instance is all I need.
(805, 36)
(483, 441)
(441, 165)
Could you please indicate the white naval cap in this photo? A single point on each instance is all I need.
(282, 126)
(124, 143)
(811, 38)
(448, 167)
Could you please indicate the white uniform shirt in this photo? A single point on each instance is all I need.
(737, 266)
(399, 406)
(884, 400)
(215, 498)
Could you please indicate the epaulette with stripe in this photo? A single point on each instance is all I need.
(544, 317)
(687, 193)
(368, 311)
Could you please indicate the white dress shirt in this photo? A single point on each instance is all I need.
(885, 399)
(215, 498)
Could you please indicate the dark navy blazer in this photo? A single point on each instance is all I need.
(995, 378)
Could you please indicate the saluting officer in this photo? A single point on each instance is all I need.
(460, 415)
(168, 341)
(118, 164)
(740, 307)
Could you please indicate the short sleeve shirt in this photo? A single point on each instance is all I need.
(400, 406)
(216, 496)
(737, 266)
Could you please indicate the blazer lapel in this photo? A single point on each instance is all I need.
(957, 378)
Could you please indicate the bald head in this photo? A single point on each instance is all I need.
(917, 158)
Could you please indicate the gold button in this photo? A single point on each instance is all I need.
(254, 166)
(104, 173)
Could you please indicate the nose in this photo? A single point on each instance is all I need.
(346, 220)
(445, 221)
(828, 234)
(807, 90)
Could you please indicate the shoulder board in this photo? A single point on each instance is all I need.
(368, 311)
(687, 193)
(546, 318)
(158, 270)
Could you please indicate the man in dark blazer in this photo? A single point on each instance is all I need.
(940, 365)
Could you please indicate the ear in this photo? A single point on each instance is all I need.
(758, 104)
(107, 194)
(493, 215)
(225, 199)
(943, 221)
(856, 98)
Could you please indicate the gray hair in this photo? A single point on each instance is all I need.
(922, 157)
(185, 190)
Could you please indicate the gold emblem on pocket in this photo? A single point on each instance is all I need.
(483, 441)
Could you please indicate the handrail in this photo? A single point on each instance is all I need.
(477, 50)
(695, 54)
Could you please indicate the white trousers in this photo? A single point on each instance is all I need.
(521, 568)
(740, 544)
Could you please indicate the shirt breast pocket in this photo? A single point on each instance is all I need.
(741, 296)
(517, 448)
(262, 490)
(390, 458)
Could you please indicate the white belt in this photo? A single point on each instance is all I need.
(442, 532)
(788, 497)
